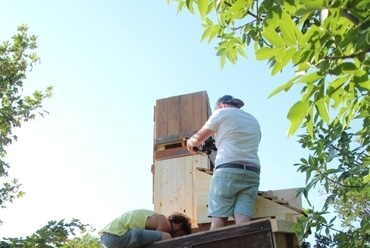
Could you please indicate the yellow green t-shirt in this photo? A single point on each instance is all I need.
(132, 219)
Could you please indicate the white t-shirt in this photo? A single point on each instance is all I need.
(237, 136)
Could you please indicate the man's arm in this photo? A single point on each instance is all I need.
(159, 223)
(197, 139)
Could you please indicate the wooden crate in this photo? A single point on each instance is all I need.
(175, 118)
(176, 186)
(178, 116)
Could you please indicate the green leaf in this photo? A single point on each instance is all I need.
(335, 85)
(322, 110)
(319, 4)
(287, 57)
(311, 78)
(231, 54)
(206, 33)
(203, 7)
(296, 114)
(273, 37)
(285, 87)
(305, 11)
(222, 54)
(367, 178)
(213, 34)
(345, 68)
(241, 52)
(266, 53)
(309, 124)
(189, 5)
(287, 30)
(280, 55)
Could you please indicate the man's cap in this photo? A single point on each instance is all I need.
(230, 100)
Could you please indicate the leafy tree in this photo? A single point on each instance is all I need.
(54, 234)
(327, 42)
(16, 58)
(86, 241)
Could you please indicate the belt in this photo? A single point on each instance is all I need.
(239, 166)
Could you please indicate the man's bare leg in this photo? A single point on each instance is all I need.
(217, 222)
(240, 218)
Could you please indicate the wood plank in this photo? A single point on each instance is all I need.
(202, 182)
(254, 234)
(200, 110)
(161, 118)
(187, 115)
(174, 115)
(266, 208)
(157, 188)
(167, 187)
(181, 187)
(289, 195)
(189, 192)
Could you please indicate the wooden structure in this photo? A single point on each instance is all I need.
(181, 183)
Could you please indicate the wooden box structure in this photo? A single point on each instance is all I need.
(181, 180)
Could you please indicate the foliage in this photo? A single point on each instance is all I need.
(86, 241)
(339, 165)
(9, 192)
(16, 58)
(54, 234)
(327, 43)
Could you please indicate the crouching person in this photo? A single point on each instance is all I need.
(141, 227)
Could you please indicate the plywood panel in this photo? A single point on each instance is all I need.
(180, 116)
(175, 192)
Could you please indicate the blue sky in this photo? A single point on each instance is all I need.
(109, 61)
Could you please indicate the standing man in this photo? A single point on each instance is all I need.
(143, 227)
(236, 176)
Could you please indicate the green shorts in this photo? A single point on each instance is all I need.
(131, 239)
(233, 191)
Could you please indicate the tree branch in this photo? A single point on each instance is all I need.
(354, 55)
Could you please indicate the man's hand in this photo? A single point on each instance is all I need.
(197, 139)
(190, 147)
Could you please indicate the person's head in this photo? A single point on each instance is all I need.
(228, 101)
(181, 224)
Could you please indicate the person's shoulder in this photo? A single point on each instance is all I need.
(144, 210)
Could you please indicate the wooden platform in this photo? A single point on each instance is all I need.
(255, 234)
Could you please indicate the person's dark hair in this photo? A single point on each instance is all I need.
(181, 218)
